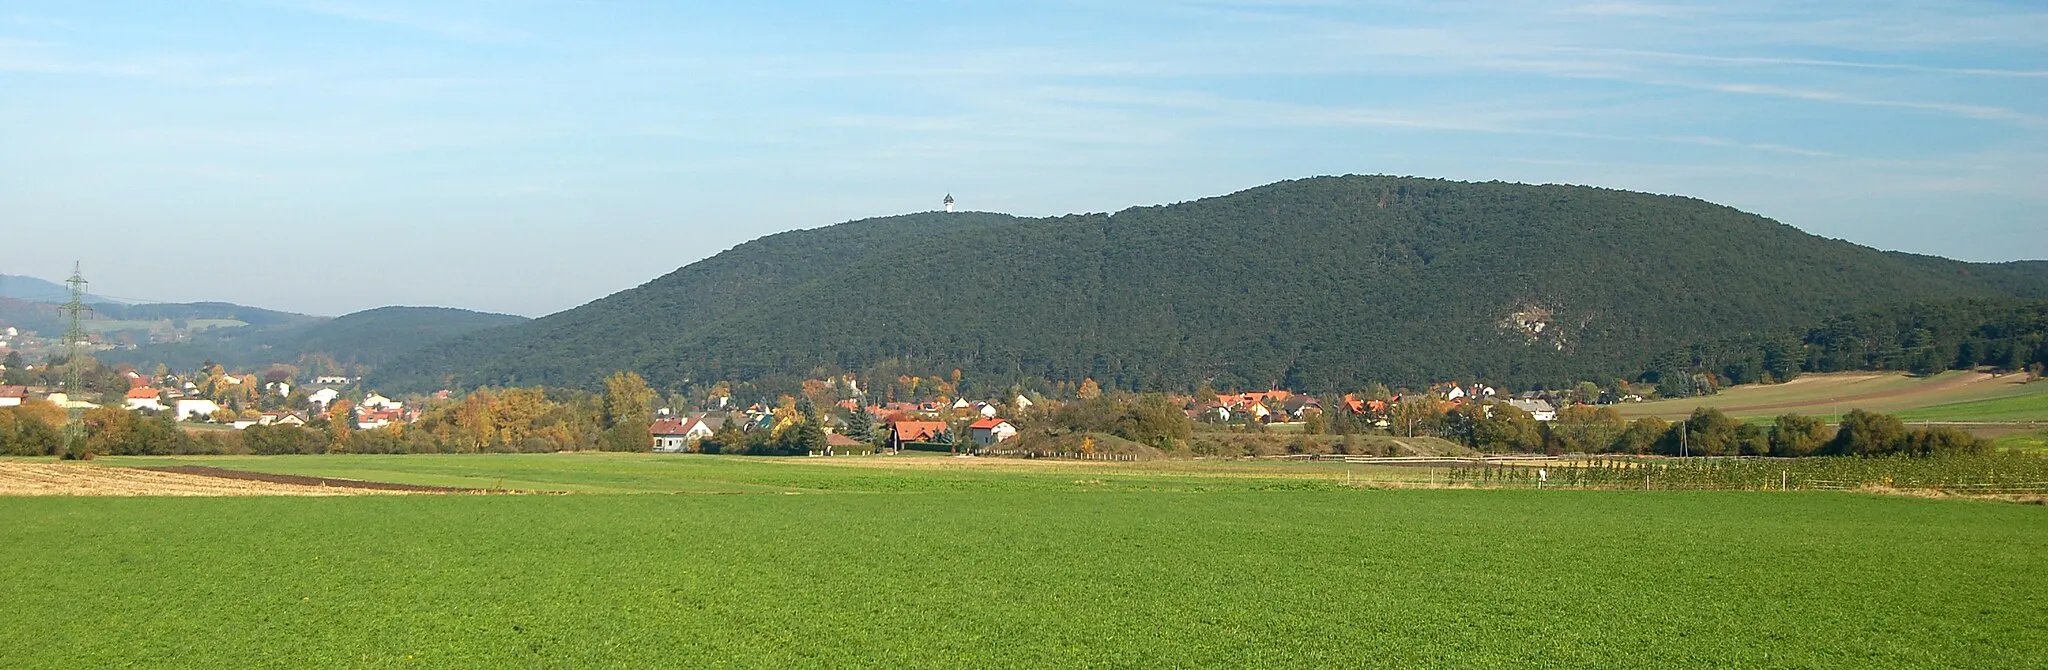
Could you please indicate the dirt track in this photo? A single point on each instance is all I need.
(79, 479)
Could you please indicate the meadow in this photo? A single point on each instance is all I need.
(938, 563)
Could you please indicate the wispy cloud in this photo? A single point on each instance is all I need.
(463, 30)
(1769, 61)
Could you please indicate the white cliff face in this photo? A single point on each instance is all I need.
(1537, 324)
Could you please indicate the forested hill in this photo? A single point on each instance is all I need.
(1315, 284)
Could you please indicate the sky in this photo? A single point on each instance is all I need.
(528, 156)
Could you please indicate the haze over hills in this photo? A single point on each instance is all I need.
(1316, 284)
(185, 335)
(32, 289)
(353, 343)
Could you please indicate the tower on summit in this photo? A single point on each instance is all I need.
(949, 202)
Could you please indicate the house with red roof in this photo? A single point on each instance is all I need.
(11, 396)
(143, 397)
(906, 432)
(990, 431)
(678, 435)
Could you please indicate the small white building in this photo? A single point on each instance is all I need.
(378, 401)
(990, 431)
(1538, 408)
(145, 398)
(281, 419)
(65, 401)
(674, 436)
(323, 397)
(187, 407)
(11, 396)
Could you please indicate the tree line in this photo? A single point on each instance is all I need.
(1922, 338)
(1582, 429)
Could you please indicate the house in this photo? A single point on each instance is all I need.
(372, 418)
(323, 398)
(1299, 406)
(990, 431)
(1210, 412)
(330, 380)
(1538, 408)
(835, 441)
(281, 419)
(378, 401)
(986, 410)
(906, 432)
(143, 397)
(675, 436)
(1022, 403)
(65, 401)
(186, 408)
(11, 396)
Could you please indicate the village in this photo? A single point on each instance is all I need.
(912, 413)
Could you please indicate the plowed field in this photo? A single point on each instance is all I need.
(19, 478)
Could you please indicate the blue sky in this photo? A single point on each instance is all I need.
(527, 156)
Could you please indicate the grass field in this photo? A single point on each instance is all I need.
(1946, 397)
(2025, 442)
(1025, 578)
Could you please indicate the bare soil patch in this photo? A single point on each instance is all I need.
(19, 478)
(303, 480)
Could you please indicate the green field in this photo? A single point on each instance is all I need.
(1946, 397)
(1008, 578)
(933, 562)
(2024, 442)
(2019, 408)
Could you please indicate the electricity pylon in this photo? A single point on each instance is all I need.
(75, 337)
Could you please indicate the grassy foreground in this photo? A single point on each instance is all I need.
(1026, 578)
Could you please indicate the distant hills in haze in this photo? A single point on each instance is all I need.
(32, 289)
(185, 335)
(1314, 284)
(359, 342)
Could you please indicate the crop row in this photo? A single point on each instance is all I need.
(1999, 472)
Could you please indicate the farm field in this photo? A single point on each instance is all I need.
(1946, 397)
(1020, 578)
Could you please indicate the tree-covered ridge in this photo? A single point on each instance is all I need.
(1921, 337)
(1316, 284)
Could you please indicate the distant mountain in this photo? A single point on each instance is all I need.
(32, 289)
(1315, 284)
(360, 341)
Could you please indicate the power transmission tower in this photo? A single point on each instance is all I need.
(75, 337)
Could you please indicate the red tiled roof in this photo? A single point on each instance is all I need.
(837, 440)
(987, 424)
(143, 393)
(13, 391)
(668, 427)
(918, 431)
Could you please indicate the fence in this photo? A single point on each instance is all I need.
(1995, 474)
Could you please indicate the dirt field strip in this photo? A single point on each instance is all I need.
(79, 479)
